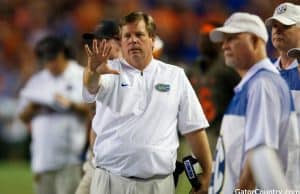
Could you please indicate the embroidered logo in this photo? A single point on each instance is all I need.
(162, 87)
(124, 84)
(281, 9)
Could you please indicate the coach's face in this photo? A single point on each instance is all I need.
(238, 48)
(136, 44)
(285, 37)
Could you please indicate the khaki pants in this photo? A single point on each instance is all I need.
(104, 182)
(84, 186)
(63, 181)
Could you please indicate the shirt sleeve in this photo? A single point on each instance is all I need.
(87, 96)
(190, 116)
(106, 83)
(31, 93)
(262, 115)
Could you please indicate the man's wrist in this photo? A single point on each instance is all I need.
(91, 81)
(93, 89)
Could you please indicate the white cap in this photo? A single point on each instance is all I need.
(240, 22)
(285, 13)
(294, 53)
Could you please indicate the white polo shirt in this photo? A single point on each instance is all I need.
(57, 138)
(137, 117)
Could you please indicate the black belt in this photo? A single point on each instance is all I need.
(139, 178)
(49, 110)
(149, 178)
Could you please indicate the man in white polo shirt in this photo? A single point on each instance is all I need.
(261, 111)
(51, 103)
(142, 102)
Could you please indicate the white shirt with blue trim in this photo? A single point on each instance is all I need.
(292, 77)
(260, 113)
(138, 115)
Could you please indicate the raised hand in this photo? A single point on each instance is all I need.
(98, 56)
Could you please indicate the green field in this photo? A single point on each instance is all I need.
(15, 178)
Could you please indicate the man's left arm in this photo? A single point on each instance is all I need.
(199, 144)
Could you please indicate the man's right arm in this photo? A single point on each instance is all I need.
(198, 142)
(97, 59)
(91, 81)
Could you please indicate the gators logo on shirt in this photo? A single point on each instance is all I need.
(162, 87)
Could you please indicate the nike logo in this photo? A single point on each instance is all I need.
(124, 84)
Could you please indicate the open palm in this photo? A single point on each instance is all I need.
(98, 56)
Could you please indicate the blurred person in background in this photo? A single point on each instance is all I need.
(107, 30)
(143, 101)
(285, 30)
(217, 81)
(261, 113)
(51, 105)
